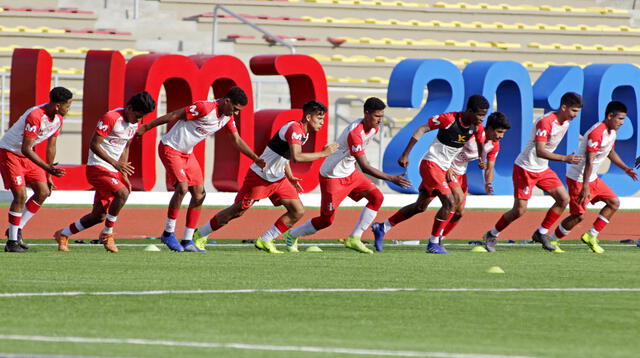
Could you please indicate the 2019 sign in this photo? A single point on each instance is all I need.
(109, 80)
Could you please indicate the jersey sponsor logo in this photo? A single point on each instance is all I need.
(592, 144)
(192, 110)
(356, 148)
(202, 131)
(462, 138)
(541, 133)
(297, 136)
(30, 128)
(103, 127)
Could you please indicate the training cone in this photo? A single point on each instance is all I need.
(313, 249)
(151, 248)
(495, 269)
(478, 248)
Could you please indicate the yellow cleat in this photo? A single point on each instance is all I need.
(558, 250)
(199, 240)
(592, 242)
(291, 241)
(354, 243)
(267, 246)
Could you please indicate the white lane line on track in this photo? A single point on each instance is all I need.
(315, 290)
(255, 347)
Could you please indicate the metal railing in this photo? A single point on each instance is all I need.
(214, 31)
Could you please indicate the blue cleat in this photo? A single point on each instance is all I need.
(433, 248)
(378, 233)
(169, 239)
(189, 246)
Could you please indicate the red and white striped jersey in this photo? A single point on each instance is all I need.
(546, 129)
(116, 133)
(352, 143)
(597, 140)
(34, 123)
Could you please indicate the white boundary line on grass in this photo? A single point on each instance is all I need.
(422, 242)
(256, 347)
(317, 290)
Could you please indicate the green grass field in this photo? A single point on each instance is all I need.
(422, 321)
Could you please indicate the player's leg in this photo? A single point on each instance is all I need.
(295, 211)
(193, 215)
(440, 221)
(576, 212)
(460, 199)
(550, 183)
(601, 192)
(119, 199)
(15, 215)
(168, 235)
(374, 203)
(97, 215)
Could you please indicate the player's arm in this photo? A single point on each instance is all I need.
(244, 148)
(124, 158)
(488, 176)
(49, 166)
(367, 168)
(417, 134)
(292, 178)
(542, 152)
(584, 195)
(615, 159)
(178, 114)
(480, 144)
(122, 166)
(298, 156)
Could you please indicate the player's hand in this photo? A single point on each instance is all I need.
(55, 171)
(583, 197)
(632, 173)
(401, 181)
(637, 162)
(572, 159)
(50, 184)
(482, 164)
(488, 188)
(296, 182)
(124, 168)
(261, 163)
(330, 149)
(449, 175)
(142, 129)
(403, 161)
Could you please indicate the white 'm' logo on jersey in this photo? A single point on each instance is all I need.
(541, 132)
(356, 148)
(296, 136)
(29, 128)
(193, 111)
(102, 126)
(435, 120)
(592, 144)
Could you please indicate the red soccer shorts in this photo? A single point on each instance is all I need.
(18, 170)
(180, 167)
(460, 181)
(105, 182)
(255, 188)
(524, 181)
(335, 190)
(598, 191)
(434, 178)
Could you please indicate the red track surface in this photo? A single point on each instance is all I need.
(137, 223)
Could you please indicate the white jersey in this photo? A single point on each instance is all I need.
(597, 140)
(546, 129)
(116, 133)
(352, 143)
(277, 153)
(469, 153)
(202, 121)
(34, 123)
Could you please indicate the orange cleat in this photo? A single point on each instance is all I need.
(108, 242)
(62, 241)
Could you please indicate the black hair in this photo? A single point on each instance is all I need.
(373, 104)
(237, 96)
(571, 99)
(142, 102)
(498, 120)
(615, 107)
(60, 95)
(476, 103)
(313, 107)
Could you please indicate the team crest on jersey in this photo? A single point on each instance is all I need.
(592, 144)
(541, 132)
(18, 180)
(182, 172)
(526, 190)
(114, 181)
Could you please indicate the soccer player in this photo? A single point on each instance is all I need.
(339, 179)
(21, 166)
(455, 129)
(596, 145)
(108, 169)
(275, 181)
(183, 173)
(531, 168)
(495, 129)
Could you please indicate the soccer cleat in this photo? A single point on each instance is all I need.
(592, 242)
(291, 241)
(189, 246)
(378, 234)
(489, 241)
(108, 242)
(21, 242)
(267, 246)
(13, 246)
(558, 249)
(62, 241)
(354, 243)
(433, 248)
(171, 242)
(542, 239)
(200, 241)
